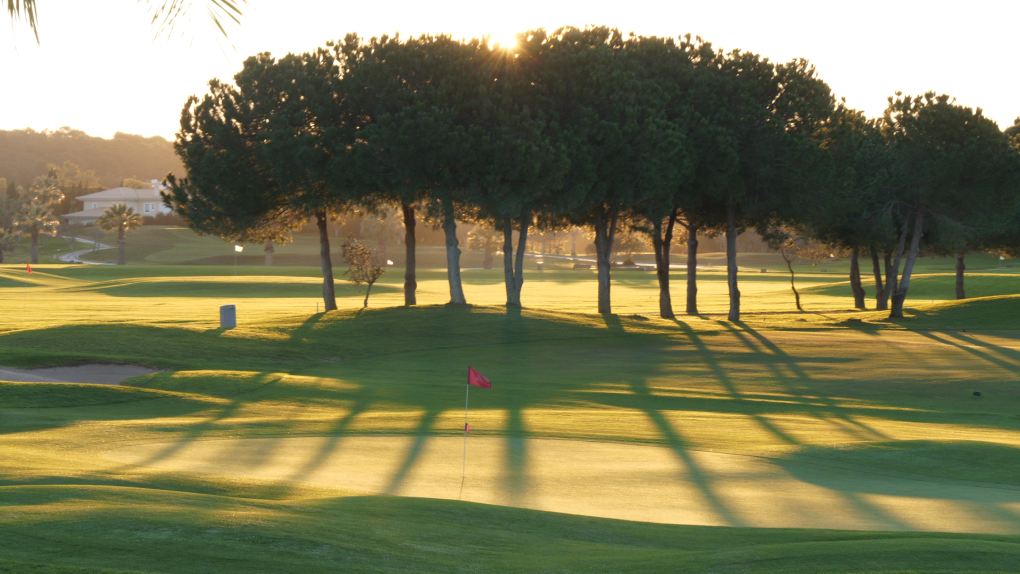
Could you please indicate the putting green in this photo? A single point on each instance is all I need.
(613, 480)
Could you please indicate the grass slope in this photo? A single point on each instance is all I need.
(894, 397)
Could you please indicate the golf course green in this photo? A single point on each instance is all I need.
(827, 441)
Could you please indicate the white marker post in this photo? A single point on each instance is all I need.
(237, 249)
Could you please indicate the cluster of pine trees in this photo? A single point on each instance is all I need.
(591, 127)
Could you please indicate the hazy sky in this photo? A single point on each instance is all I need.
(98, 68)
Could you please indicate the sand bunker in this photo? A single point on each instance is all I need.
(632, 482)
(92, 374)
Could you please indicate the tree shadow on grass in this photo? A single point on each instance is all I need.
(672, 438)
(421, 436)
(728, 384)
(203, 428)
(431, 337)
(831, 412)
(335, 435)
(1007, 358)
(1001, 363)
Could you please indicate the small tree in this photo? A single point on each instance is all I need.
(120, 218)
(362, 265)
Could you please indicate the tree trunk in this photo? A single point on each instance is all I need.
(731, 261)
(513, 268)
(512, 297)
(367, 293)
(904, 283)
(890, 281)
(892, 273)
(573, 244)
(410, 277)
(692, 269)
(661, 243)
(876, 268)
(269, 251)
(35, 245)
(855, 280)
(452, 254)
(605, 233)
(960, 267)
(328, 293)
(121, 260)
(522, 245)
(789, 265)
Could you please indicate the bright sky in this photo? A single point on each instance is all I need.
(98, 68)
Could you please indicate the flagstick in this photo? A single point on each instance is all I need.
(467, 391)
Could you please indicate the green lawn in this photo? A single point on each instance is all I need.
(813, 397)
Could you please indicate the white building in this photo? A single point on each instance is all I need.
(146, 203)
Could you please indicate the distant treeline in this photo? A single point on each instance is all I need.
(25, 154)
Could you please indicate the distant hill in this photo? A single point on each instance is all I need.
(25, 153)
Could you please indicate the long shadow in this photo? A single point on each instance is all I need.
(679, 448)
(1009, 354)
(852, 499)
(516, 479)
(831, 408)
(335, 435)
(976, 352)
(613, 323)
(414, 451)
(724, 379)
(199, 429)
(302, 330)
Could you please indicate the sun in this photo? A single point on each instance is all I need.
(505, 40)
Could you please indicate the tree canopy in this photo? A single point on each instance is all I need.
(590, 127)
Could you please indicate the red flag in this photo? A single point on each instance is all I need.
(29, 267)
(467, 428)
(475, 378)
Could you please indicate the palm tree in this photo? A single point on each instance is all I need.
(37, 219)
(120, 218)
(8, 241)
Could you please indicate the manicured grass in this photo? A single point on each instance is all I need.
(890, 397)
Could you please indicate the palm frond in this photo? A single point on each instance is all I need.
(17, 8)
(168, 14)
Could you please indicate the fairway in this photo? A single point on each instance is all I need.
(610, 480)
(791, 442)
